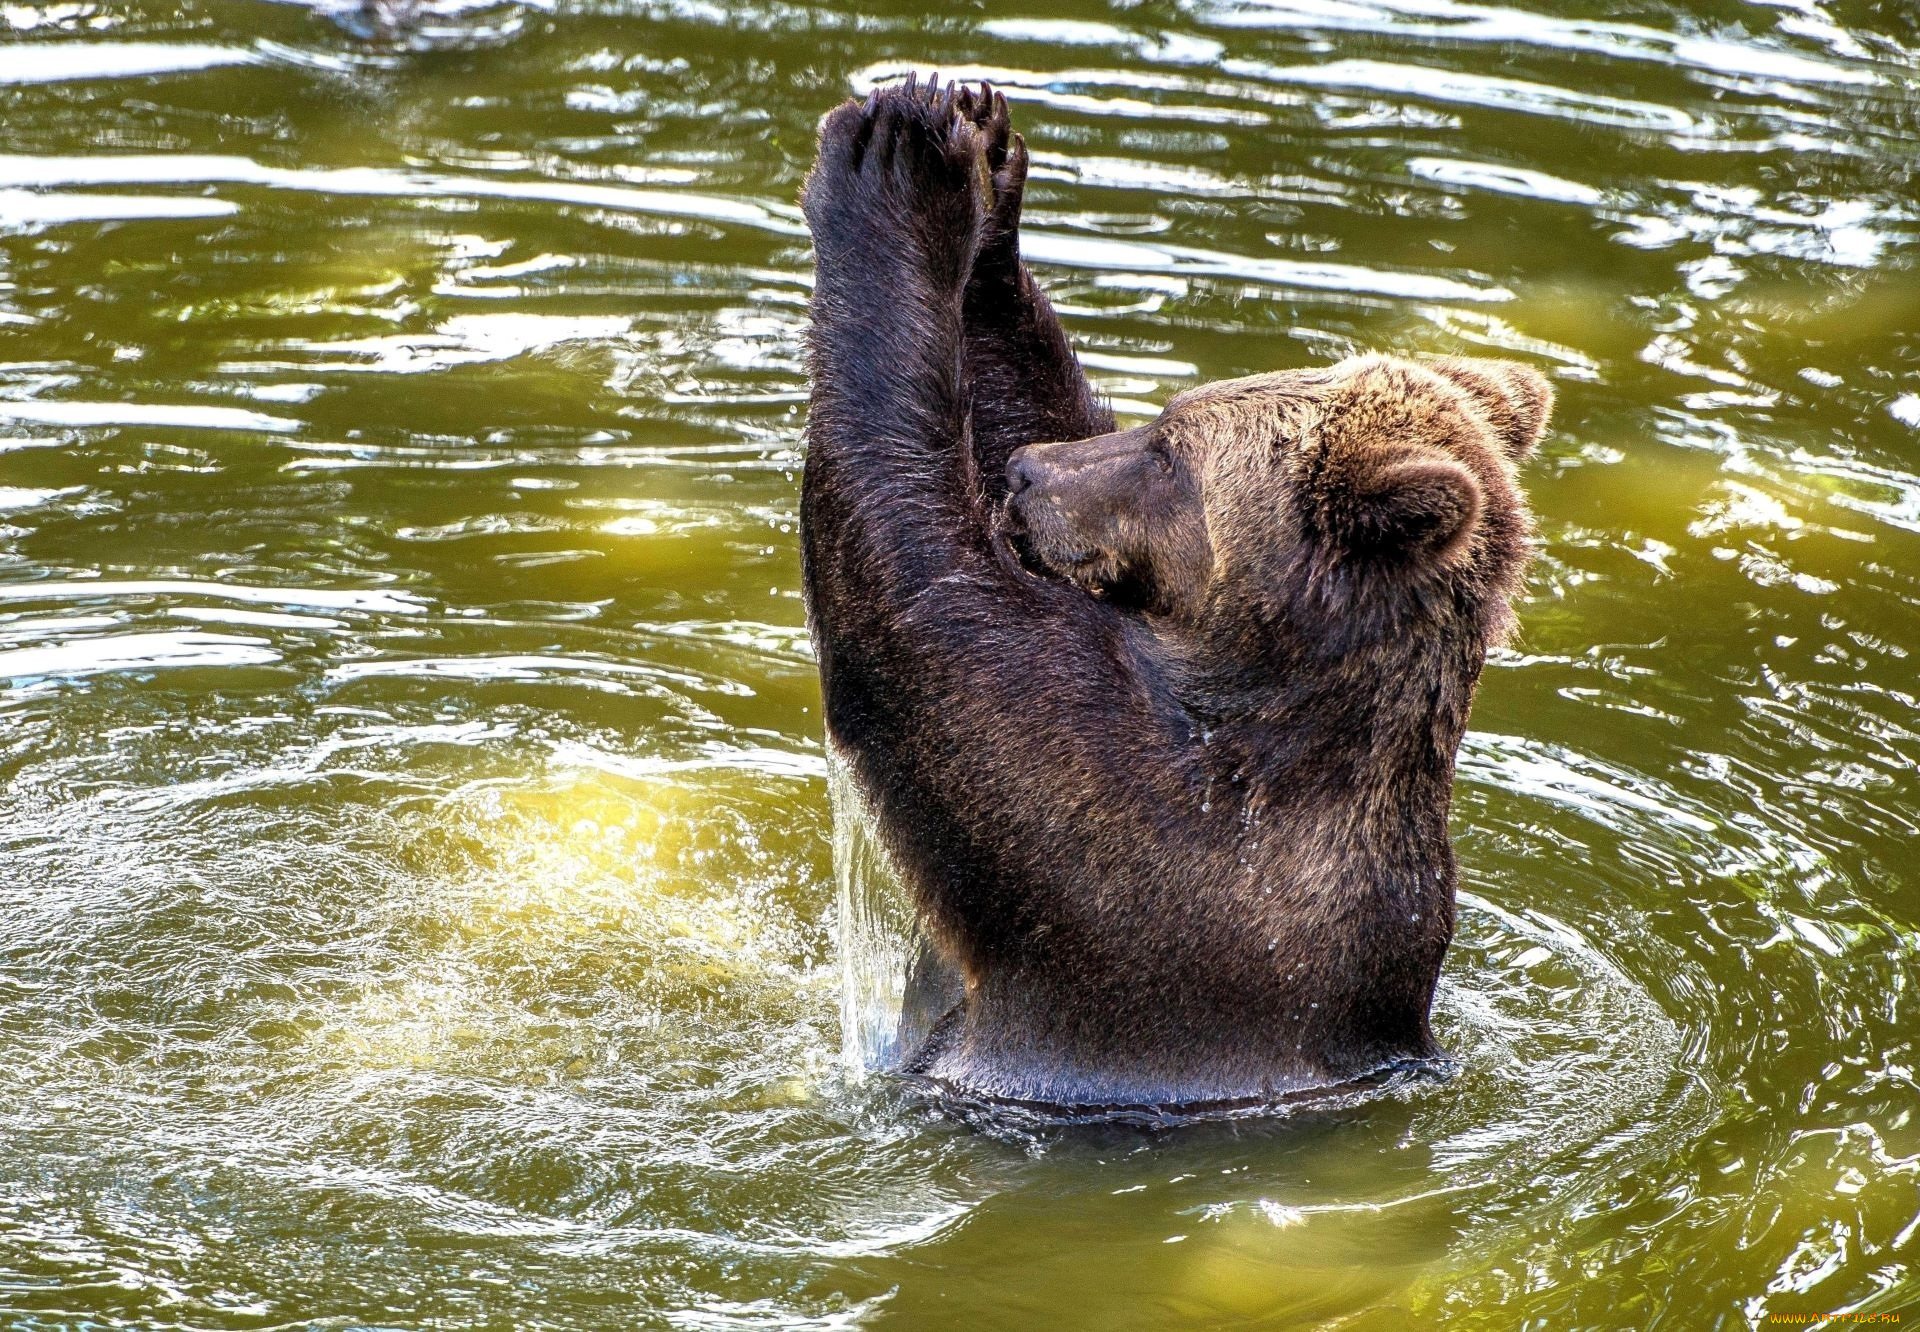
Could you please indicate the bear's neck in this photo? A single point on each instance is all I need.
(1375, 729)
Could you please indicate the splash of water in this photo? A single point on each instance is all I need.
(878, 932)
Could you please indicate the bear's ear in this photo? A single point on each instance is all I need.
(1516, 399)
(1418, 507)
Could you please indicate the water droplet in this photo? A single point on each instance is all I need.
(1272, 944)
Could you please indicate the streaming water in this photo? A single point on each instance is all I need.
(417, 890)
(877, 934)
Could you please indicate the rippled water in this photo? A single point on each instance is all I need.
(416, 903)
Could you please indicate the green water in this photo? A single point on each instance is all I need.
(416, 901)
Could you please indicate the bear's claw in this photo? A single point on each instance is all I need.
(988, 111)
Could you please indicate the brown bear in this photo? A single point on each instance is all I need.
(1158, 725)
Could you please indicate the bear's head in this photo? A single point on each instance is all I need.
(1339, 502)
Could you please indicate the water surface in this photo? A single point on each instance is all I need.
(416, 904)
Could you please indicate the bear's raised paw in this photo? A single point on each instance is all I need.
(998, 263)
(908, 176)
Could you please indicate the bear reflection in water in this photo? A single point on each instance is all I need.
(1158, 725)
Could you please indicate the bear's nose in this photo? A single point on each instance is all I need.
(1019, 473)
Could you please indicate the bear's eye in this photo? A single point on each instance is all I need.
(1162, 456)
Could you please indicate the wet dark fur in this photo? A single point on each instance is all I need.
(1168, 771)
